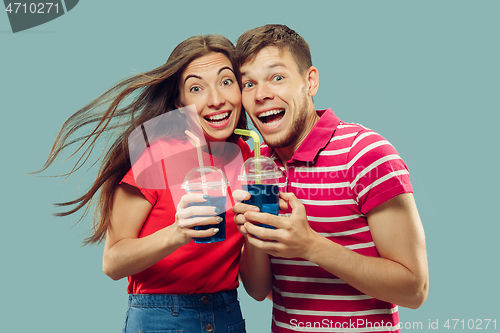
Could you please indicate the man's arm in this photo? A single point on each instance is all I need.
(399, 276)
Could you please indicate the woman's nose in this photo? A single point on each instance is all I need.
(216, 99)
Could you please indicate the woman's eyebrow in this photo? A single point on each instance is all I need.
(223, 68)
(192, 76)
(199, 77)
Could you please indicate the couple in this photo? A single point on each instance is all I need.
(349, 245)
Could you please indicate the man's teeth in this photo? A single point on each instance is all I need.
(273, 123)
(269, 113)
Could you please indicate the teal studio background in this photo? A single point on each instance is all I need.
(425, 74)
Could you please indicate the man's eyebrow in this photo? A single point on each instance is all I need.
(271, 66)
(277, 64)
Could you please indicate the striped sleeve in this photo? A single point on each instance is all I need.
(376, 172)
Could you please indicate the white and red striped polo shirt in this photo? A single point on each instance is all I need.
(339, 173)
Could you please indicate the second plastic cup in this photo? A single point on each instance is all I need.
(260, 177)
(210, 181)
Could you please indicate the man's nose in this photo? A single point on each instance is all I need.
(262, 93)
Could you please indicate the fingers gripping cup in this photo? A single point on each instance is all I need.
(212, 182)
(260, 177)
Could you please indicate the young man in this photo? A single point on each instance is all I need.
(351, 247)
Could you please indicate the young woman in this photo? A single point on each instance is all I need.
(175, 284)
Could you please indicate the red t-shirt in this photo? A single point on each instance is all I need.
(193, 268)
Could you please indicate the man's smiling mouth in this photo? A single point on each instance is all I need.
(271, 117)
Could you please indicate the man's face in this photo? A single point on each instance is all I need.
(276, 96)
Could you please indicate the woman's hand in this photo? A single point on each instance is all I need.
(126, 254)
(189, 215)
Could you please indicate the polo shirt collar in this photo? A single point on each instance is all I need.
(318, 138)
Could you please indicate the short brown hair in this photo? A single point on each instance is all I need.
(281, 36)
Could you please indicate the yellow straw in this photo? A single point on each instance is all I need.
(256, 144)
(254, 136)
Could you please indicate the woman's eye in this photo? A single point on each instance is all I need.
(278, 78)
(195, 89)
(248, 85)
(227, 82)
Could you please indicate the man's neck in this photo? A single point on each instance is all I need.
(285, 154)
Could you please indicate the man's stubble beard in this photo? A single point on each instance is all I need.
(298, 126)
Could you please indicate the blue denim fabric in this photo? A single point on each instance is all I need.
(198, 313)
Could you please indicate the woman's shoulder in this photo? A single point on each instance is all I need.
(245, 149)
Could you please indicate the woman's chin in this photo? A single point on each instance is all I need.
(218, 137)
(219, 133)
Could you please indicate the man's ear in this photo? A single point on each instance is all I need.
(312, 81)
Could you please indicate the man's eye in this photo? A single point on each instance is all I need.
(278, 78)
(248, 85)
(195, 89)
(227, 82)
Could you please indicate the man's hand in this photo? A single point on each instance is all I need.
(291, 238)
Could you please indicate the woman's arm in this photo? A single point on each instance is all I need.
(124, 253)
(255, 272)
(255, 266)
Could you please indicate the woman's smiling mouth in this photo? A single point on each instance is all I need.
(218, 119)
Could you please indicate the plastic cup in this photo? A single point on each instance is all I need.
(213, 182)
(260, 177)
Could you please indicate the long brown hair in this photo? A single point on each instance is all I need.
(127, 105)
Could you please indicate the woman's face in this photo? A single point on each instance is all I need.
(209, 83)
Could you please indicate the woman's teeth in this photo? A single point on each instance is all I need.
(218, 118)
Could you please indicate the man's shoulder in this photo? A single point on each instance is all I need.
(351, 141)
(344, 128)
(347, 134)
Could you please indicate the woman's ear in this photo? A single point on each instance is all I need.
(178, 106)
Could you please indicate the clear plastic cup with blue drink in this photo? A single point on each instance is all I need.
(209, 181)
(260, 177)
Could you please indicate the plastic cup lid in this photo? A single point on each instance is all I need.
(204, 178)
(259, 168)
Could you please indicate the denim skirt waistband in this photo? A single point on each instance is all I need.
(182, 300)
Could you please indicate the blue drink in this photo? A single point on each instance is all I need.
(264, 196)
(219, 202)
(260, 177)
